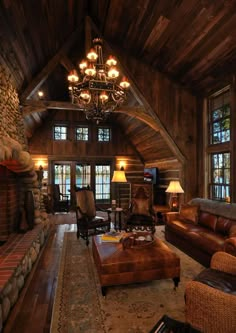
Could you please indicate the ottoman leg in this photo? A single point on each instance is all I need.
(176, 281)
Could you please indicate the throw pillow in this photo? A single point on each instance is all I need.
(189, 212)
(140, 206)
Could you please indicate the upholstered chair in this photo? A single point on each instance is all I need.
(211, 296)
(88, 223)
(140, 215)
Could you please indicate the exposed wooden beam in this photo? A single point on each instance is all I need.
(31, 106)
(51, 65)
(67, 63)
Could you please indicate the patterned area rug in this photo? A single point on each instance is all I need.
(79, 306)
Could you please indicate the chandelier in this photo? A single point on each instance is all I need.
(97, 90)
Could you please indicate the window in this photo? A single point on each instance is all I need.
(82, 175)
(81, 133)
(104, 134)
(219, 118)
(60, 133)
(102, 182)
(220, 176)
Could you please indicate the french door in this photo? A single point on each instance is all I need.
(62, 177)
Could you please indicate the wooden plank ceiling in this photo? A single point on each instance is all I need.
(193, 42)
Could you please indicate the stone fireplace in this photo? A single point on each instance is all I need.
(24, 224)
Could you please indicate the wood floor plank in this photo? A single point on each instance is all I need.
(33, 311)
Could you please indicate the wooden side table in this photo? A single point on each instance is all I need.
(117, 212)
(160, 212)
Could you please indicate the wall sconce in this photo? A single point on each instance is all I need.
(122, 165)
(40, 175)
(174, 189)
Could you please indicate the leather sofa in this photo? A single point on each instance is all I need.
(203, 227)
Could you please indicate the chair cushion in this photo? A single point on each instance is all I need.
(140, 206)
(189, 212)
(219, 280)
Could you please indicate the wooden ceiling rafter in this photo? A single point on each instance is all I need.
(42, 76)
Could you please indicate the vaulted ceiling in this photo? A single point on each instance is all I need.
(193, 42)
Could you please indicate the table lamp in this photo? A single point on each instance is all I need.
(174, 188)
(119, 177)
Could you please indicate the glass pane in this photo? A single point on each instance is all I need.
(103, 134)
(102, 182)
(83, 175)
(82, 133)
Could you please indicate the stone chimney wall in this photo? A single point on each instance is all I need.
(11, 121)
(15, 157)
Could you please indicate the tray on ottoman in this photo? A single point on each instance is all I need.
(117, 265)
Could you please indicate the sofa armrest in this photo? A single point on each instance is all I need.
(230, 245)
(171, 216)
(224, 262)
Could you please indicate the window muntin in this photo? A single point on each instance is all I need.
(219, 118)
(82, 133)
(220, 176)
(82, 175)
(102, 182)
(104, 134)
(60, 133)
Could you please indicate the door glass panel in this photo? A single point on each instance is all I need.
(102, 182)
(62, 176)
(82, 175)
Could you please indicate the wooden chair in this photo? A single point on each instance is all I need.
(87, 222)
(140, 215)
(211, 296)
(59, 201)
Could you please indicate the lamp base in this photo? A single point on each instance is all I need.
(174, 203)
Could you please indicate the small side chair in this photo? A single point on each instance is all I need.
(88, 223)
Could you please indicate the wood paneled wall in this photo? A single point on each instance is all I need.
(175, 108)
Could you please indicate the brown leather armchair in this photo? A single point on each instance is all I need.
(88, 223)
(211, 296)
(140, 215)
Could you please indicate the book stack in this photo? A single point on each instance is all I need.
(114, 237)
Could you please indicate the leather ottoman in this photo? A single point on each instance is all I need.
(116, 266)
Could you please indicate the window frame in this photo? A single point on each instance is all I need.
(60, 126)
(104, 128)
(222, 185)
(82, 127)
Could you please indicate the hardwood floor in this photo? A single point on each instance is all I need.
(33, 311)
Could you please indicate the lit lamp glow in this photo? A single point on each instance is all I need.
(174, 188)
(119, 177)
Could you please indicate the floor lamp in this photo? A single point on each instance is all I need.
(174, 188)
(119, 177)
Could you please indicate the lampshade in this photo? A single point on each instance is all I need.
(174, 187)
(119, 177)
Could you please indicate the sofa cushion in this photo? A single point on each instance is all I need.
(223, 225)
(219, 280)
(189, 212)
(207, 220)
